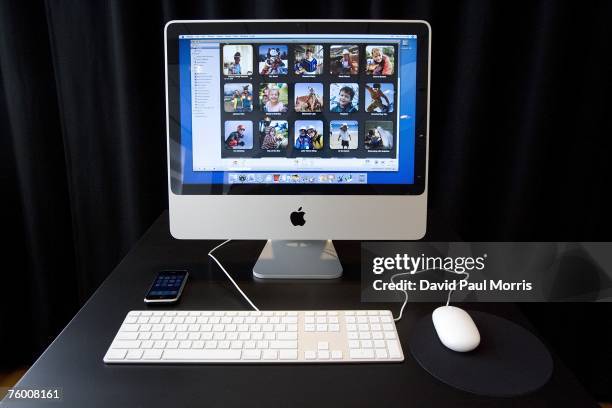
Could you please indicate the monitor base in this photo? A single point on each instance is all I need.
(298, 260)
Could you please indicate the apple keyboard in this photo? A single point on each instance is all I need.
(211, 337)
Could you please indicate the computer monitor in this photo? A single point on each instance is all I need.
(297, 131)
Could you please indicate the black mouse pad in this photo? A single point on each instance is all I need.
(509, 361)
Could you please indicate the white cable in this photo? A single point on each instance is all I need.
(210, 253)
(398, 318)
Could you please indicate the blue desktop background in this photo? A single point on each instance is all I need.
(407, 73)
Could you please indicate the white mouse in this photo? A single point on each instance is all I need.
(455, 328)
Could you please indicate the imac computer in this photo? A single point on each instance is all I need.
(297, 132)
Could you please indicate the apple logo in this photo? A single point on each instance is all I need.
(297, 217)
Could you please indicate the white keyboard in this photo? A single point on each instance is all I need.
(336, 336)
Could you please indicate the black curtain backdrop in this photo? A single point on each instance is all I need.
(520, 141)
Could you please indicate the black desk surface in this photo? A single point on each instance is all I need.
(74, 360)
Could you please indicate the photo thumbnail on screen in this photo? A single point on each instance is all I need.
(378, 135)
(380, 60)
(238, 134)
(237, 59)
(379, 97)
(308, 97)
(273, 134)
(274, 97)
(344, 134)
(344, 97)
(237, 97)
(308, 60)
(308, 135)
(344, 59)
(273, 59)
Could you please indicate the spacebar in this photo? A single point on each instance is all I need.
(191, 354)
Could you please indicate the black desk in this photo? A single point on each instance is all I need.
(74, 360)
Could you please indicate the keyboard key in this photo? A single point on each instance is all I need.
(134, 354)
(127, 336)
(336, 355)
(251, 354)
(153, 354)
(390, 335)
(323, 355)
(310, 355)
(381, 353)
(116, 354)
(394, 349)
(144, 335)
(286, 336)
(360, 354)
(126, 344)
(277, 344)
(323, 345)
(270, 355)
(204, 354)
(288, 354)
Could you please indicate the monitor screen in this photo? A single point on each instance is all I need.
(297, 109)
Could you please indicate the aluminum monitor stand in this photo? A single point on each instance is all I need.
(298, 260)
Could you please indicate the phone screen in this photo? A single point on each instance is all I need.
(167, 286)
